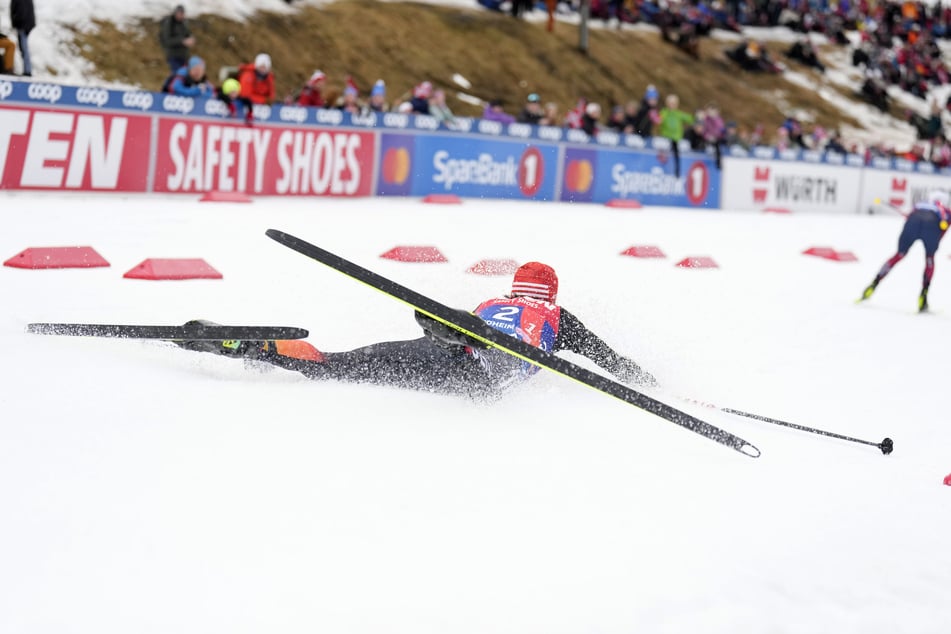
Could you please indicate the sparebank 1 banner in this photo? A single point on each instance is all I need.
(73, 150)
(199, 156)
(466, 166)
(598, 175)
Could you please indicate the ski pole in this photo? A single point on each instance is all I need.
(886, 445)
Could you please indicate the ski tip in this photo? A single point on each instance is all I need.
(749, 450)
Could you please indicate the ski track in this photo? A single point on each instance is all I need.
(151, 489)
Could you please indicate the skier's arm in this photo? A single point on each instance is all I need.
(575, 336)
(443, 335)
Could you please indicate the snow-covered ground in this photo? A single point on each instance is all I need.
(146, 488)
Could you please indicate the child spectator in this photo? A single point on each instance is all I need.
(312, 94)
(349, 100)
(377, 101)
(257, 80)
(190, 80)
(175, 38)
(647, 115)
(591, 119)
(673, 123)
(551, 115)
(230, 94)
(419, 104)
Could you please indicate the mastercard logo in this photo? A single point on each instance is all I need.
(578, 176)
(396, 166)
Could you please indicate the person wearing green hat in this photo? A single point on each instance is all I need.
(230, 94)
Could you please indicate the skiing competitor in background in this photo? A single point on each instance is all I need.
(446, 360)
(927, 222)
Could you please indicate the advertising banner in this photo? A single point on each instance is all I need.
(416, 165)
(81, 150)
(753, 184)
(198, 156)
(597, 175)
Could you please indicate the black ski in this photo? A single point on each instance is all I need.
(474, 327)
(189, 332)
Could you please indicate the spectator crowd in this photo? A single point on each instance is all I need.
(896, 46)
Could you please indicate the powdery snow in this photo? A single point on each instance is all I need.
(150, 489)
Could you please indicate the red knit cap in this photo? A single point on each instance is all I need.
(535, 279)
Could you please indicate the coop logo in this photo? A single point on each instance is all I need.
(216, 108)
(462, 125)
(45, 92)
(520, 130)
(490, 127)
(606, 137)
(365, 120)
(578, 136)
(635, 141)
(173, 103)
(329, 117)
(292, 113)
(549, 133)
(392, 120)
(6, 89)
(138, 100)
(93, 96)
(424, 122)
(484, 170)
(261, 112)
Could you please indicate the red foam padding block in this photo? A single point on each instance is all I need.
(844, 256)
(442, 199)
(821, 252)
(701, 262)
(57, 258)
(777, 210)
(644, 251)
(173, 269)
(624, 203)
(415, 254)
(493, 267)
(225, 197)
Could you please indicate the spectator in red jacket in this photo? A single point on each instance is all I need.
(257, 80)
(312, 94)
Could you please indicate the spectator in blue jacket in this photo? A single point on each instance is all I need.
(190, 80)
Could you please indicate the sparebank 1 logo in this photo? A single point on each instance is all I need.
(579, 175)
(396, 164)
(531, 171)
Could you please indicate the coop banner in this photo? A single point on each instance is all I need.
(199, 156)
(73, 150)
(648, 177)
(757, 185)
(469, 166)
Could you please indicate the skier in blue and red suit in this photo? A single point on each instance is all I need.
(927, 222)
(446, 360)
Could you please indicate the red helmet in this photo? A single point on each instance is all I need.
(537, 280)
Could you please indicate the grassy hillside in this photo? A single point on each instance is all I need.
(405, 43)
